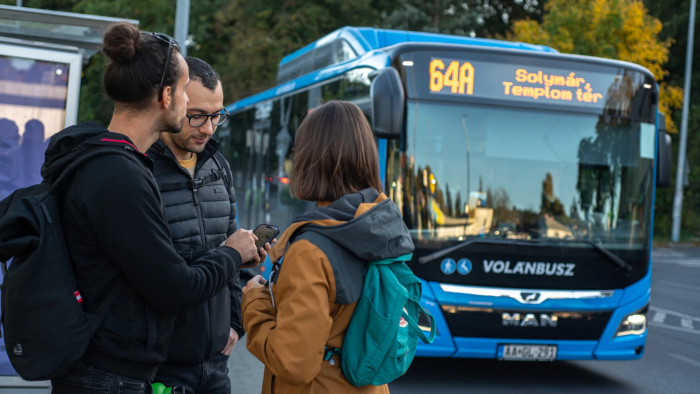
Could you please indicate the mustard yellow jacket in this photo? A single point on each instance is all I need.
(315, 293)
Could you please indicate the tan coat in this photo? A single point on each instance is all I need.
(290, 338)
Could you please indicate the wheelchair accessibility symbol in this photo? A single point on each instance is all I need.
(464, 266)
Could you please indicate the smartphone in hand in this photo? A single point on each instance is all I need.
(265, 234)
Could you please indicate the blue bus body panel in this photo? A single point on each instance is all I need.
(590, 304)
(443, 345)
(374, 59)
(368, 43)
(365, 39)
(381, 38)
(622, 303)
(382, 150)
(353, 36)
(635, 298)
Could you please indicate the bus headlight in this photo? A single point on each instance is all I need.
(633, 324)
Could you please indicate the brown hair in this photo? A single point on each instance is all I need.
(334, 153)
(136, 65)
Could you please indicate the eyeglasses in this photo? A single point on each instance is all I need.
(171, 43)
(200, 120)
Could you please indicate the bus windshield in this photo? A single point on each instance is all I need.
(486, 171)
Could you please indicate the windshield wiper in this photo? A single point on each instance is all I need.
(436, 255)
(611, 257)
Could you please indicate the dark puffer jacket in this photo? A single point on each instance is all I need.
(115, 230)
(201, 213)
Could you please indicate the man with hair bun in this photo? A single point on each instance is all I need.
(114, 226)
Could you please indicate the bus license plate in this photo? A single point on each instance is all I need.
(529, 352)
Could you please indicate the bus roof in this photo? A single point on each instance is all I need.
(351, 47)
(375, 59)
(365, 39)
(351, 42)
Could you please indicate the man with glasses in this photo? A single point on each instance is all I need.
(114, 226)
(195, 182)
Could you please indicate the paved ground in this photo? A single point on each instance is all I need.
(245, 371)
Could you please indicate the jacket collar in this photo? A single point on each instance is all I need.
(160, 149)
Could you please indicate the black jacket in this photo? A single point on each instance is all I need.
(115, 231)
(201, 213)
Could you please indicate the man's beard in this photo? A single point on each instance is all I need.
(181, 141)
(170, 123)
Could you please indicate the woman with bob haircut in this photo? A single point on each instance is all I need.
(307, 305)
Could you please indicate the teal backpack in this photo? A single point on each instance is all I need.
(381, 340)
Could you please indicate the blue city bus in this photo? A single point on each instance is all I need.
(526, 178)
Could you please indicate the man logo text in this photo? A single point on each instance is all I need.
(529, 320)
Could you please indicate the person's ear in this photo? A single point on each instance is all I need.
(166, 96)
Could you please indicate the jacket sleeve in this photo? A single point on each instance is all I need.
(130, 226)
(290, 340)
(191, 255)
(236, 294)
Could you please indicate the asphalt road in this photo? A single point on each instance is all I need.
(671, 363)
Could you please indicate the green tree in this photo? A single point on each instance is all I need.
(675, 18)
(255, 35)
(615, 29)
(243, 39)
(476, 18)
(154, 15)
(55, 5)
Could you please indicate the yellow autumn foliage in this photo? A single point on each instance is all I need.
(614, 29)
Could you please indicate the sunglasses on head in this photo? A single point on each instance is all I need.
(171, 43)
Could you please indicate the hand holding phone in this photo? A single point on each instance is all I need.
(242, 241)
(265, 233)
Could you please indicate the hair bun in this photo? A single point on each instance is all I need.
(120, 42)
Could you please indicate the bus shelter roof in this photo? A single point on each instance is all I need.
(33, 26)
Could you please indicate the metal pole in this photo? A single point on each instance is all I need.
(678, 197)
(182, 20)
(19, 3)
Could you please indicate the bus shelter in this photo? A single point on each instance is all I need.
(41, 57)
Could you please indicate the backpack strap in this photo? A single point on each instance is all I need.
(329, 352)
(107, 303)
(414, 325)
(196, 183)
(348, 270)
(415, 300)
(192, 184)
(228, 177)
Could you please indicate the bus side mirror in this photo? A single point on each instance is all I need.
(663, 155)
(387, 96)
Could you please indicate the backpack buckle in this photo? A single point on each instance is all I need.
(330, 352)
(196, 183)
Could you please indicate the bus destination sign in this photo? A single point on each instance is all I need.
(504, 81)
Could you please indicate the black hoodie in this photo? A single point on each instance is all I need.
(115, 230)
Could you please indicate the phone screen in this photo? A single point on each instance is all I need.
(265, 234)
